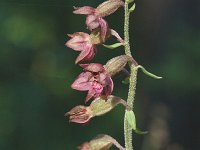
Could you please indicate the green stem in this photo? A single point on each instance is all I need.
(126, 29)
(133, 80)
(131, 96)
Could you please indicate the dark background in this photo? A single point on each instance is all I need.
(36, 71)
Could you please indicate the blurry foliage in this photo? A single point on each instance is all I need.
(37, 70)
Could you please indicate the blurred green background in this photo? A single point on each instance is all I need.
(36, 71)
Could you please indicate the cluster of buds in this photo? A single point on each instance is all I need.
(96, 78)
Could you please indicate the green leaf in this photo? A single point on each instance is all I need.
(130, 116)
(148, 73)
(138, 131)
(132, 8)
(113, 46)
(126, 80)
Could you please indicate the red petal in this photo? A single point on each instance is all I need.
(86, 55)
(109, 87)
(78, 41)
(90, 95)
(104, 29)
(91, 55)
(92, 22)
(81, 83)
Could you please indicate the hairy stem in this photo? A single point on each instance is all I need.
(133, 80)
(126, 29)
(131, 96)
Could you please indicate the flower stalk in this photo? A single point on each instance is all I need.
(126, 28)
(133, 79)
(130, 101)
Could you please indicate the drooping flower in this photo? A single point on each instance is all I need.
(86, 43)
(95, 80)
(98, 107)
(95, 16)
(101, 142)
(81, 42)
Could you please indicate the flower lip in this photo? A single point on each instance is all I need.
(95, 36)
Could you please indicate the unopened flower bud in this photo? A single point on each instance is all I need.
(108, 7)
(116, 64)
(101, 142)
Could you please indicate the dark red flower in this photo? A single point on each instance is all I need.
(94, 80)
(81, 42)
